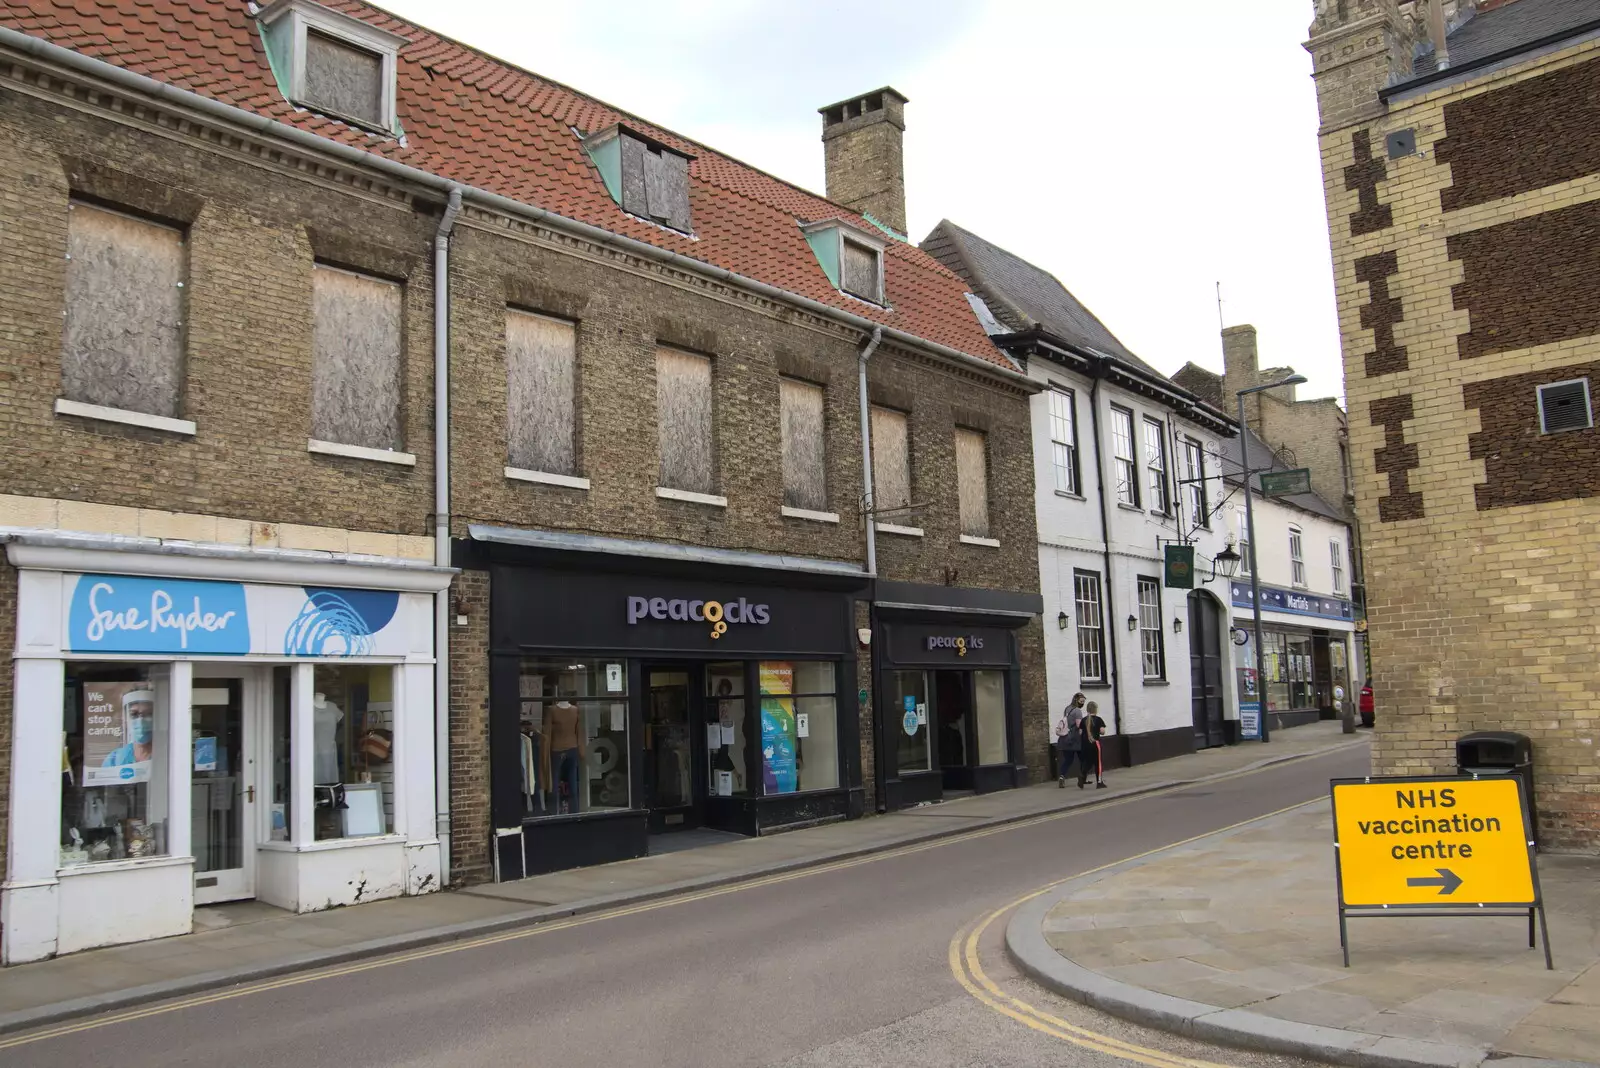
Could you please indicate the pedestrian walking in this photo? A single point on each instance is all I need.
(1069, 742)
(1092, 729)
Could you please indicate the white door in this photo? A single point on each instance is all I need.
(224, 781)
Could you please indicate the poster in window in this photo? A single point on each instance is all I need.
(778, 737)
(118, 732)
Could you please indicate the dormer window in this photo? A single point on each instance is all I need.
(851, 258)
(333, 64)
(645, 177)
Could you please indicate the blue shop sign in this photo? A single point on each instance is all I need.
(1293, 602)
(132, 614)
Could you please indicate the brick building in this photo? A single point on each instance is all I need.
(245, 241)
(1461, 162)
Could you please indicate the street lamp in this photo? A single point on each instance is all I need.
(1250, 530)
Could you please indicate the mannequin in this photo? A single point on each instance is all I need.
(566, 752)
(326, 717)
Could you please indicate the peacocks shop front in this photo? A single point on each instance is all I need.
(628, 699)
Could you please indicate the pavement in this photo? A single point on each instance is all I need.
(234, 944)
(1234, 938)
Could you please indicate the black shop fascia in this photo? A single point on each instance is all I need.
(948, 675)
(638, 690)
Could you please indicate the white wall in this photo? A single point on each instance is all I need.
(1273, 520)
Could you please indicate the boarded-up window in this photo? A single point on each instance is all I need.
(859, 271)
(355, 332)
(343, 79)
(541, 376)
(683, 411)
(972, 482)
(804, 464)
(891, 464)
(655, 183)
(122, 334)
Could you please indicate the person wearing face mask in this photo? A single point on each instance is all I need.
(138, 717)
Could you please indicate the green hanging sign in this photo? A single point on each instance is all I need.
(1180, 567)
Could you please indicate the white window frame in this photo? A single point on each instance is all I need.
(1125, 468)
(1084, 606)
(303, 16)
(1243, 543)
(1194, 479)
(1152, 636)
(1297, 558)
(1336, 553)
(1067, 473)
(1155, 466)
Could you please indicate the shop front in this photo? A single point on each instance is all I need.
(648, 694)
(948, 678)
(233, 725)
(1306, 656)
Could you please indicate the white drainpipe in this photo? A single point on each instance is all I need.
(441, 526)
(866, 451)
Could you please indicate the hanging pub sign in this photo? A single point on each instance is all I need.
(1180, 567)
(1286, 483)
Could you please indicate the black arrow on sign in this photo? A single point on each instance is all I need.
(1446, 882)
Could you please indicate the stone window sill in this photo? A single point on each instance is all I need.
(1069, 495)
(1125, 506)
(807, 513)
(125, 417)
(547, 478)
(972, 539)
(891, 528)
(670, 494)
(360, 452)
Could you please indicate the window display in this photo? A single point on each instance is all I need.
(799, 727)
(725, 730)
(989, 701)
(910, 693)
(114, 802)
(1287, 660)
(574, 735)
(352, 738)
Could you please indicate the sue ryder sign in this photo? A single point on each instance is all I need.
(1294, 602)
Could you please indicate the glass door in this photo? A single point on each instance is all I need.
(223, 785)
(672, 761)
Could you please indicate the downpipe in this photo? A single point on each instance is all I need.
(441, 526)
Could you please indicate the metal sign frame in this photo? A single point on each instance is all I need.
(1442, 910)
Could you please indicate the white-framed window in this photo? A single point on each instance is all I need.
(1297, 559)
(1194, 484)
(1124, 456)
(1336, 552)
(1244, 542)
(332, 63)
(1091, 626)
(1155, 465)
(1063, 439)
(851, 257)
(1152, 640)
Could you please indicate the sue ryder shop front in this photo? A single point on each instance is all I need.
(638, 689)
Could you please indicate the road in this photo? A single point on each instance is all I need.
(849, 965)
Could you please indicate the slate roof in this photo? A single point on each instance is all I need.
(1207, 385)
(472, 118)
(1259, 451)
(1508, 28)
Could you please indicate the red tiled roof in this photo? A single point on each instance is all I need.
(477, 120)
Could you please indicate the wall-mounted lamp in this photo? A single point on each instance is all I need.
(1061, 621)
(1177, 624)
(1133, 622)
(1225, 563)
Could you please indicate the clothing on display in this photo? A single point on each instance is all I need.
(326, 717)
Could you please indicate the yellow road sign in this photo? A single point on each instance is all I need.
(1436, 842)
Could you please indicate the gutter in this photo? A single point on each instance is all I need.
(260, 124)
(1494, 58)
(441, 526)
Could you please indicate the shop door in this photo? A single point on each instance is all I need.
(674, 747)
(223, 786)
(1322, 676)
(1205, 671)
(952, 709)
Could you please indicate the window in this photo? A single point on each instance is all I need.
(122, 328)
(117, 747)
(342, 79)
(352, 772)
(913, 752)
(972, 482)
(574, 735)
(541, 392)
(1297, 560)
(1151, 636)
(1244, 542)
(725, 722)
(1565, 406)
(1336, 551)
(989, 707)
(1127, 463)
(799, 727)
(850, 256)
(355, 340)
(804, 459)
(1287, 659)
(683, 412)
(1063, 441)
(1194, 484)
(859, 267)
(332, 63)
(645, 177)
(891, 462)
(1091, 626)
(1155, 465)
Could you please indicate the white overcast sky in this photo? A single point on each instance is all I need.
(1139, 151)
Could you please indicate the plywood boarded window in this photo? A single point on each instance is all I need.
(343, 79)
(859, 269)
(972, 482)
(122, 333)
(891, 464)
(804, 456)
(541, 381)
(355, 338)
(683, 413)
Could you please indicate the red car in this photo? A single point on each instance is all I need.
(1365, 705)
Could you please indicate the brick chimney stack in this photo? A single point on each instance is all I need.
(862, 138)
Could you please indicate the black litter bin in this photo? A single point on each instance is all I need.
(1500, 753)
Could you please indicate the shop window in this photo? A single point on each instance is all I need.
(804, 451)
(1287, 660)
(1152, 641)
(541, 388)
(1063, 441)
(989, 704)
(891, 462)
(352, 760)
(913, 752)
(972, 482)
(726, 736)
(574, 735)
(122, 327)
(1091, 626)
(1155, 465)
(683, 413)
(799, 726)
(114, 797)
(1127, 463)
(355, 340)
